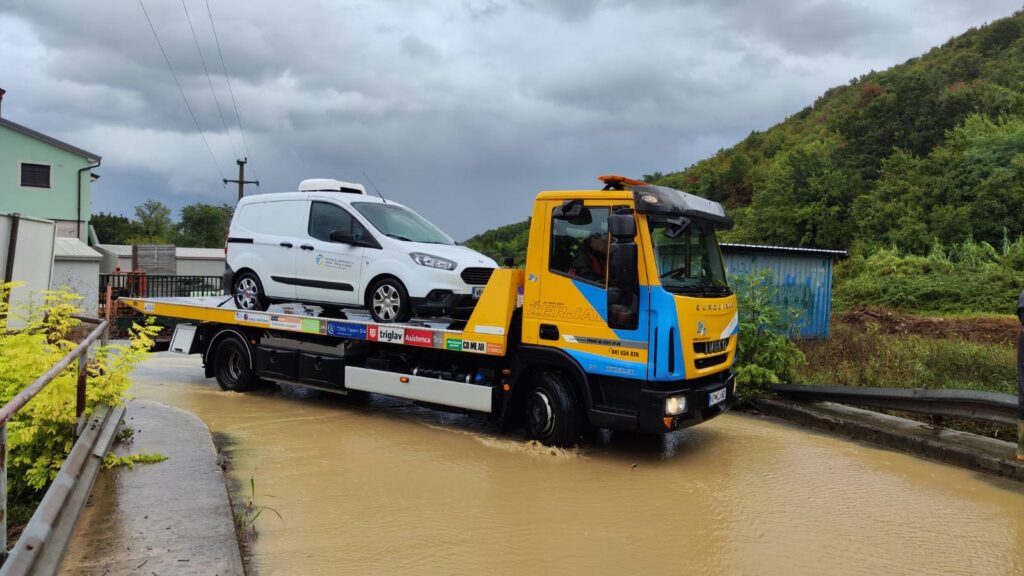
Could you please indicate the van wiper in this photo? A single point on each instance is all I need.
(397, 237)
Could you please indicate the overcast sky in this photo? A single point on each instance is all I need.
(462, 110)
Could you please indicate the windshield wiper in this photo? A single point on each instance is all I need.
(397, 237)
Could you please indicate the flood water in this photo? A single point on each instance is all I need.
(390, 488)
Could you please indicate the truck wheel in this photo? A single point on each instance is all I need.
(552, 415)
(248, 292)
(388, 301)
(231, 366)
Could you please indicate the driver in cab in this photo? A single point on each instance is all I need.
(590, 260)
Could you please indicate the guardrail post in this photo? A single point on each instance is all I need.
(1020, 441)
(3, 491)
(80, 392)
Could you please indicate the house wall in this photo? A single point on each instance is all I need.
(60, 201)
(200, 267)
(81, 277)
(33, 259)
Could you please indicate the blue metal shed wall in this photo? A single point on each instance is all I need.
(804, 281)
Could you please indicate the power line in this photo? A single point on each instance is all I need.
(209, 79)
(181, 91)
(227, 77)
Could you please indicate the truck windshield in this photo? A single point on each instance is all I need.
(401, 223)
(690, 263)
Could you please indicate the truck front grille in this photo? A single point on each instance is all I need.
(702, 363)
(711, 347)
(476, 276)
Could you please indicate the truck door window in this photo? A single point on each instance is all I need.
(579, 248)
(325, 218)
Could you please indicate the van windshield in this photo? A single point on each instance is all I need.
(401, 223)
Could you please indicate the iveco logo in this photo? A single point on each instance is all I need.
(701, 328)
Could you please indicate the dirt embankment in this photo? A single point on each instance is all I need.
(998, 329)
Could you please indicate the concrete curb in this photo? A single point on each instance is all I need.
(172, 517)
(950, 446)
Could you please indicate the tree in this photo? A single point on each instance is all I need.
(203, 225)
(113, 228)
(154, 223)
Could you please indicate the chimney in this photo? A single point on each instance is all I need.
(2, 92)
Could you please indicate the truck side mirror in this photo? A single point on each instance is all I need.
(622, 265)
(623, 283)
(622, 226)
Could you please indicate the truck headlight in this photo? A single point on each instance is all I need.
(675, 405)
(431, 261)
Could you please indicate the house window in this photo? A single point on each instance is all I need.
(35, 175)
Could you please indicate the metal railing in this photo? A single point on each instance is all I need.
(141, 285)
(80, 354)
(968, 404)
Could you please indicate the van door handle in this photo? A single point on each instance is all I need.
(306, 246)
(286, 244)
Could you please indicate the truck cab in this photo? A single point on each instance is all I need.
(625, 287)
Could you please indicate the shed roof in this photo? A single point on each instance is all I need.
(120, 250)
(49, 140)
(200, 253)
(731, 247)
(73, 249)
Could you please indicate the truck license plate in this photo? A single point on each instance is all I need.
(477, 291)
(716, 397)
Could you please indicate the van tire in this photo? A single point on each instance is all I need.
(550, 412)
(388, 301)
(231, 366)
(248, 293)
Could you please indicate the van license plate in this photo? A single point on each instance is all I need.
(716, 397)
(477, 291)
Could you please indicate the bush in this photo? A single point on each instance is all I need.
(766, 354)
(40, 436)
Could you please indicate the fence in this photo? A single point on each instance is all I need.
(141, 285)
(70, 489)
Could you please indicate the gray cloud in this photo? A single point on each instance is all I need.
(463, 110)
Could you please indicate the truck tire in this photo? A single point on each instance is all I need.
(388, 301)
(231, 366)
(552, 415)
(248, 292)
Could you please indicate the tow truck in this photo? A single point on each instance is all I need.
(621, 319)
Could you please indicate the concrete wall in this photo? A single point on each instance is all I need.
(60, 201)
(33, 258)
(200, 267)
(81, 277)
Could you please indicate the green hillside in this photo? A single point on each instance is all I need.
(932, 149)
(929, 151)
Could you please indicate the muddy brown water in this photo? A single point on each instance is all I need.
(392, 488)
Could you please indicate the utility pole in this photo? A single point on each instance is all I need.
(241, 178)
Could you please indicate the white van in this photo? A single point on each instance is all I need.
(332, 245)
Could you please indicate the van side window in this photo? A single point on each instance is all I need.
(579, 248)
(325, 218)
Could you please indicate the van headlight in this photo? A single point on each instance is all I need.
(675, 405)
(431, 261)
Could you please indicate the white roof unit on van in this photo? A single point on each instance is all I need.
(330, 185)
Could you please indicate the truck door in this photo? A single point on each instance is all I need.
(572, 310)
(326, 270)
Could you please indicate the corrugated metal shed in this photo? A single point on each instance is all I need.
(803, 276)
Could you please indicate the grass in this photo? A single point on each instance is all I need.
(865, 357)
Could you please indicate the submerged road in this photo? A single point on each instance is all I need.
(391, 488)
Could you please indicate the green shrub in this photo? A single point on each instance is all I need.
(41, 435)
(765, 352)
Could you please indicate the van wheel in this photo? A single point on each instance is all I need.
(552, 416)
(231, 366)
(388, 301)
(248, 292)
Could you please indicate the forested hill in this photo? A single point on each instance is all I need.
(929, 150)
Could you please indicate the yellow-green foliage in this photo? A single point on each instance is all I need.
(41, 435)
(112, 461)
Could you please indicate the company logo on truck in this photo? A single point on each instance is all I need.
(423, 338)
(386, 334)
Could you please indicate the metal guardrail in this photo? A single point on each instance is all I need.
(969, 404)
(80, 354)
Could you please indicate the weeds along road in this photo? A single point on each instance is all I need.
(393, 488)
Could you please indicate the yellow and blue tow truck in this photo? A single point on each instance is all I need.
(621, 319)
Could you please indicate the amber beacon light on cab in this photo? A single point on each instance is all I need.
(621, 319)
